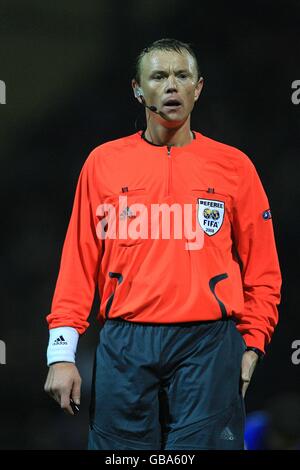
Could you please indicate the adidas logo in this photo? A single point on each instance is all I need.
(127, 212)
(59, 341)
(227, 435)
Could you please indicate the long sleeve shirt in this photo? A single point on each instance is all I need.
(170, 235)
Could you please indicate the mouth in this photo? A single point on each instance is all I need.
(172, 104)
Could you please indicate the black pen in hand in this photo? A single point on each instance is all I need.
(75, 408)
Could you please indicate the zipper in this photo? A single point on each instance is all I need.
(169, 169)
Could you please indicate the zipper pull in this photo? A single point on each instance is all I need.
(169, 150)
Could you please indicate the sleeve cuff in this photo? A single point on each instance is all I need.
(258, 352)
(254, 339)
(62, 345)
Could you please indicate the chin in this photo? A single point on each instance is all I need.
(176, 121)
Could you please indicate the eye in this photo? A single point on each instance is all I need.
(182, 75)
(157, 77)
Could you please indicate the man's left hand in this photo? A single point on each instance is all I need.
(249, 362)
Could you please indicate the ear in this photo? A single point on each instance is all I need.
(198, 88)
(136, 89)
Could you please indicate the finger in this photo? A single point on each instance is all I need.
(76, 391)
(55, 394)
(65, 401)
(245, 369)
(244, 388)
(53, 391)
(246, 376)
(50, 389)
(47, 386)
(68, 410)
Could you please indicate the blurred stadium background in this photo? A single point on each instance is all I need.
(67, 67)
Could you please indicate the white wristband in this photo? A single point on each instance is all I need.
(62, 344)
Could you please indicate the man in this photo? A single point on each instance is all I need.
(176, 230)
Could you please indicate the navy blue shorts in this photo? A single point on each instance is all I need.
(167, 386)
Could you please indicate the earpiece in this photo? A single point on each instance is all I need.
(138, 92)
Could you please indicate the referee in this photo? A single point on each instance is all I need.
(175, 231)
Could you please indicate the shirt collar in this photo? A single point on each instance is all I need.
(159, 145)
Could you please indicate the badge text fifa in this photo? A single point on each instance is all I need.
(2, 92)
(2, 352)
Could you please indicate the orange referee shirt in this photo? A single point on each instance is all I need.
(170, 234)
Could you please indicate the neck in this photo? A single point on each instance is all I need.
(176, 136)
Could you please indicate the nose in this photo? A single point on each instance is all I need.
(171, 84)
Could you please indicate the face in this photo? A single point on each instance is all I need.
(169, 81)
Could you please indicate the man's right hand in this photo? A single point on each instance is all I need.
(63, 382)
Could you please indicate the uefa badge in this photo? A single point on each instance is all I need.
(210, 215)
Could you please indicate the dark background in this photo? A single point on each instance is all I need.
(67, 67)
